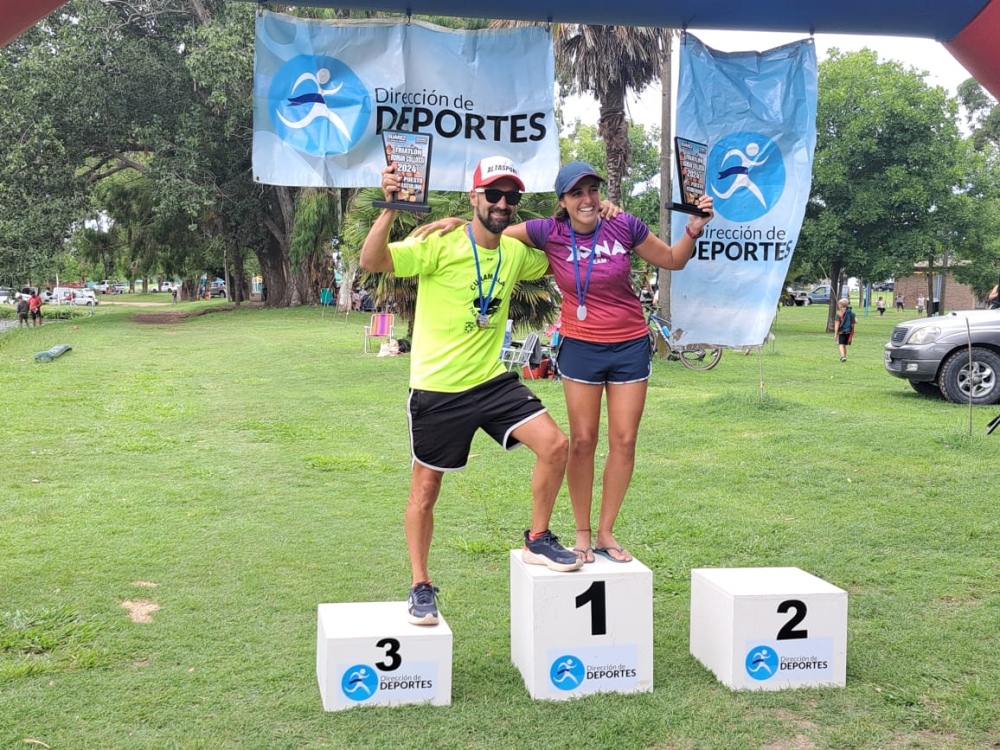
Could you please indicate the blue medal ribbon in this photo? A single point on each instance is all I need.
(581, 292)
(484, 302)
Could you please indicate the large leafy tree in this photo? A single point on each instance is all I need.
(99, 89)
(889, 163)
(160, 89)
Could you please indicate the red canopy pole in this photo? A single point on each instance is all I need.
(17, 16)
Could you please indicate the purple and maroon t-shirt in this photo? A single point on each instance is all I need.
(614, 312)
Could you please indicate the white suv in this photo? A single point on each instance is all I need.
(85, 297)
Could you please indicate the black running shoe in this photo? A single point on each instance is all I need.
(422, 604)
(546, 550)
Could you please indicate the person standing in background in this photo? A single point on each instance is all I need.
(843, 332)
(35, 308)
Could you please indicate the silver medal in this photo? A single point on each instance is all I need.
(581, 312)
(483, 321)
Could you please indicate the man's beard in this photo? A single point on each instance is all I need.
(495, 224)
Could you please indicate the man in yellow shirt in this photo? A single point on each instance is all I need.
(457, 383)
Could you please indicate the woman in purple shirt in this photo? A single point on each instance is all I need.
(604, 345)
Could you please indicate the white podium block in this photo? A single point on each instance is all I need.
(582, 632)
(769, 628)
(368, 654)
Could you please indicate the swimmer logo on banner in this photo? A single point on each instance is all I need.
(757, 113)
(325, 91)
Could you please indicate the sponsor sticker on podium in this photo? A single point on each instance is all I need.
(416, 683)
(594, 670)
(805, 660)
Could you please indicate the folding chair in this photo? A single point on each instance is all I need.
(520, 356)
(381, 327)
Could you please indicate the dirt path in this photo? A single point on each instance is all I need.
(175, 316)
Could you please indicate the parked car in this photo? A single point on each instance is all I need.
(164, 286)
(61, 295)
(797, 297)
(956, 356)
(216, 289)
(6, 296)
(120, 287)
(820, 295)
(85, 297)
(102, 287)
(883, 286)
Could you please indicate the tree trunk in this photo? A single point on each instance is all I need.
(310, 278)
(347, 284)
(666, 168)
(238, 288)
(613, 130)
(831, 312)
(274, 270)
(274, 263)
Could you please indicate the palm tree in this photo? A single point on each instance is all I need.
(609, 62)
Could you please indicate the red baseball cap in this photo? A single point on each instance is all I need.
(494, 168)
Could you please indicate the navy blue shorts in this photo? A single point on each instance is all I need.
(442, 425)
(599, 364)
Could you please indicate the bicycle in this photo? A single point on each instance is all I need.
(696, 357)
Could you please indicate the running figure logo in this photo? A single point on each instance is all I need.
(359, 682)
(762, 662)
(746, 175)
(319, 105)
(567, 672)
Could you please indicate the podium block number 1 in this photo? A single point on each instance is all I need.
(588, 631)
(595, 597)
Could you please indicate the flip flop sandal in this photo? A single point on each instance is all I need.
(585, 553)
(606, 552)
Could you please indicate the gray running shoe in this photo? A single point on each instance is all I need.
(546, 550)
(422, 604)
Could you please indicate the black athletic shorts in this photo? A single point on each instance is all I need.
(442, 425)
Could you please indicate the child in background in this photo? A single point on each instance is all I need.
(843, 331)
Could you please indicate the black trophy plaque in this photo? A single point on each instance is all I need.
(411, 153)
(692, 161)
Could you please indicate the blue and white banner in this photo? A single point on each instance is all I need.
(324, 91)
(757, 113)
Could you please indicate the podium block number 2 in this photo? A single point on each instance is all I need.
(788, 631)
(596, 598)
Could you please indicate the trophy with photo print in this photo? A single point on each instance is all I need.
(692, 160)
(411, 152)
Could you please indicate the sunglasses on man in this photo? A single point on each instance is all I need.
(493, 195)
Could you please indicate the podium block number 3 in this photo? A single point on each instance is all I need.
(595, 597)
(392, 657)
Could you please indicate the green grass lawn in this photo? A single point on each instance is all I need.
(234, 470)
